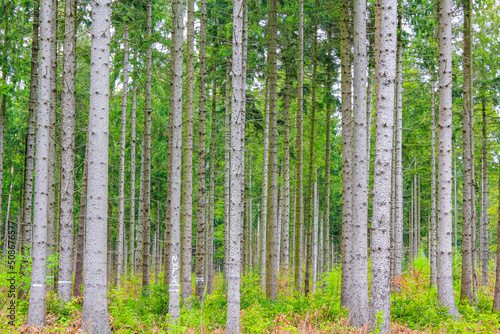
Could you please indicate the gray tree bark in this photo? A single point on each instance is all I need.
(398, 147)
(146, 209)
(300, 153)
(433, 188)
(211, 215)
(227, 167)
(95, 304)
(132, 177)
(347, 249)
(272, 244)
(121, 181)
(468, 218)
(237, 171)
(200, 244)
(37, 307)
(285, 230)
(484, 201)
(187, 229)
(175, 183)
(67, 154)
(444, 250)
(380, 293)
(265, 191)
(358, 315)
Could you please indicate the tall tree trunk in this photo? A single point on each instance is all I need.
(314, 238)
(496, 299)
(310, 200)
(326, 214)
(67, 154)
(347, 216)
(455, 216)
(285, 230)
(37, 307)
(200, 245)
(81, 230)
(484, 202)
(146, 209)
(132, 176)
(272, 238)
(175, 183)
(468, 220)
(168, 227)
(380, 293)
(227, 169)
(237, 170)
(265, 193)
(398, 147)
(121, 181)
(432, 233)
(444, 250)
(300, 153)
(187, 229)
(157, 243)
(2, 120)
(95, 305)
(210, 241)
(358, 315)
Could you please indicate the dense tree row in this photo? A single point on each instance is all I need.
(293, 136)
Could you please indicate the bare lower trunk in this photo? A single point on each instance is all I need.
(132, 178)
(358, 315)
(444, 250)
(175, 184)
(264, 206)
(347, 249)
(210, 241)
(200, 244)
(121, 181)
(484, 202)
(300, 153)
(95, 305)
(37, 307)
(67, 155)
(432, 234)
(187, 229)
(227, 169)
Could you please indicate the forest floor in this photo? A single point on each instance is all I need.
(414, 310)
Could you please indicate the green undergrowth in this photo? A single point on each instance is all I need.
(414, 308)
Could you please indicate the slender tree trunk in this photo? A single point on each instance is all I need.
(380, 293)
(200, 245)
(140, 219)
(468, 160)
(265, 192)
(272, 238)
(121, 181)
(484, 202)
(81, 230)
(95, 305)
(347, 246)
(187, 230)
(300, 153)
(432, 233)
(237, 170)
(358, 315)
(398, 148)
(37, 307)
(157, 243)
(326, 216)
(67, 154)
(314, 240)
(285, 229)
(132, 177)
(496, 299)
(168, 227)
(210, 255)
(455, 178)
(146, 209)
(444, 250)
(2, 122)
(309, 219)
(175, 183)
(227, 165)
